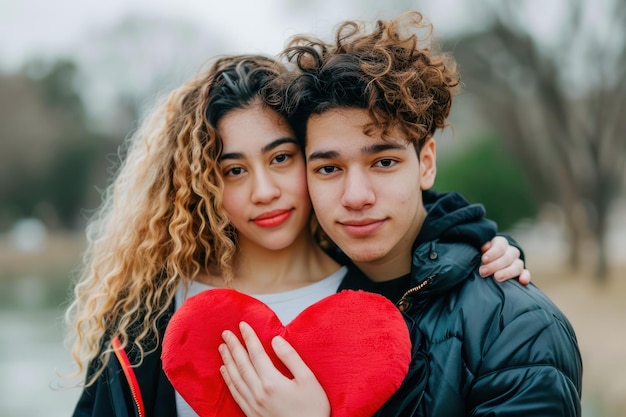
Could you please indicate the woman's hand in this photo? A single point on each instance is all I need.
(503, 261)
(259, 388)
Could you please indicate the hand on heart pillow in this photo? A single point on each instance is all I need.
(356, 343)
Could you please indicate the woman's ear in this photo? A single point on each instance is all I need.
(428, 164)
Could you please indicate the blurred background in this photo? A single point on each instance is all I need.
(538, 136)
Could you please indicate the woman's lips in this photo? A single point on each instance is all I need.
(272, 218)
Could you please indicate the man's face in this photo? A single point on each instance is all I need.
(366, 191)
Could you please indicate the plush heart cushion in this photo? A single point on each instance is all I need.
(356, 343)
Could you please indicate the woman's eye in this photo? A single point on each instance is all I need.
(233, 172)
(385, 163)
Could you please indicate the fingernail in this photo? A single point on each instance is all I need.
(481, 271)
(278, 341)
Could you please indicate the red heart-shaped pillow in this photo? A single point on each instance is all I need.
(356, 343)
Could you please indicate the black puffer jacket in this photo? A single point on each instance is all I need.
(481, 348)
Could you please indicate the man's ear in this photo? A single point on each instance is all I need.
(428, 164)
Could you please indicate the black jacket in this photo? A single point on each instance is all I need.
(110, 394)
(481, 348)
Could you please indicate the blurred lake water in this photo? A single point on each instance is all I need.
(31, 351)
(35, 269)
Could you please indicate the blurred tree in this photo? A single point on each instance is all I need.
(485, 174)
(47, 153)
(53, 145)
(559, 104)
(24, 120)
(58, 90)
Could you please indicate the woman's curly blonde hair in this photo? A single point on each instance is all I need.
(391, 70)
(161, 222)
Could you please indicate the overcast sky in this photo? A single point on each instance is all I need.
(42, 27)
(52, 28)
(36, 27)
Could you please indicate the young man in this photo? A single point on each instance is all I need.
(369, 105)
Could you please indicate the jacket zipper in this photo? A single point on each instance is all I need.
(404, 303)
(131, 378)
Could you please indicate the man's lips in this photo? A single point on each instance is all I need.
(272, 218)
(362, 227)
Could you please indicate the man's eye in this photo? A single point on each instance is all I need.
(328, 169)
(386, 163)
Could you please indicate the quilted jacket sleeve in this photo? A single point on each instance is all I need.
(530, 362)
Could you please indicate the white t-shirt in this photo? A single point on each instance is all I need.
(287, 305)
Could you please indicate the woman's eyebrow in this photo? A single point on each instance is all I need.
(267, 148)
(231, 155)
(276, 143)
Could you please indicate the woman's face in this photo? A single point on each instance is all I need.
(265, 191)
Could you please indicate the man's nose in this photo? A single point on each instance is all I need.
(358, 190)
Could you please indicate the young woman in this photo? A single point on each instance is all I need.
(212, 193)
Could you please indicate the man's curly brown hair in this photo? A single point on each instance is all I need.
(390, 70)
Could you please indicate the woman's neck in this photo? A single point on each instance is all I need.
(259, 270)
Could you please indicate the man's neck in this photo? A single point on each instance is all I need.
(388, 268)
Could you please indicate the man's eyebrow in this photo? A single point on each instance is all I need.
(368, 150)
(267, 148)
(381, 147)
(323, 155)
